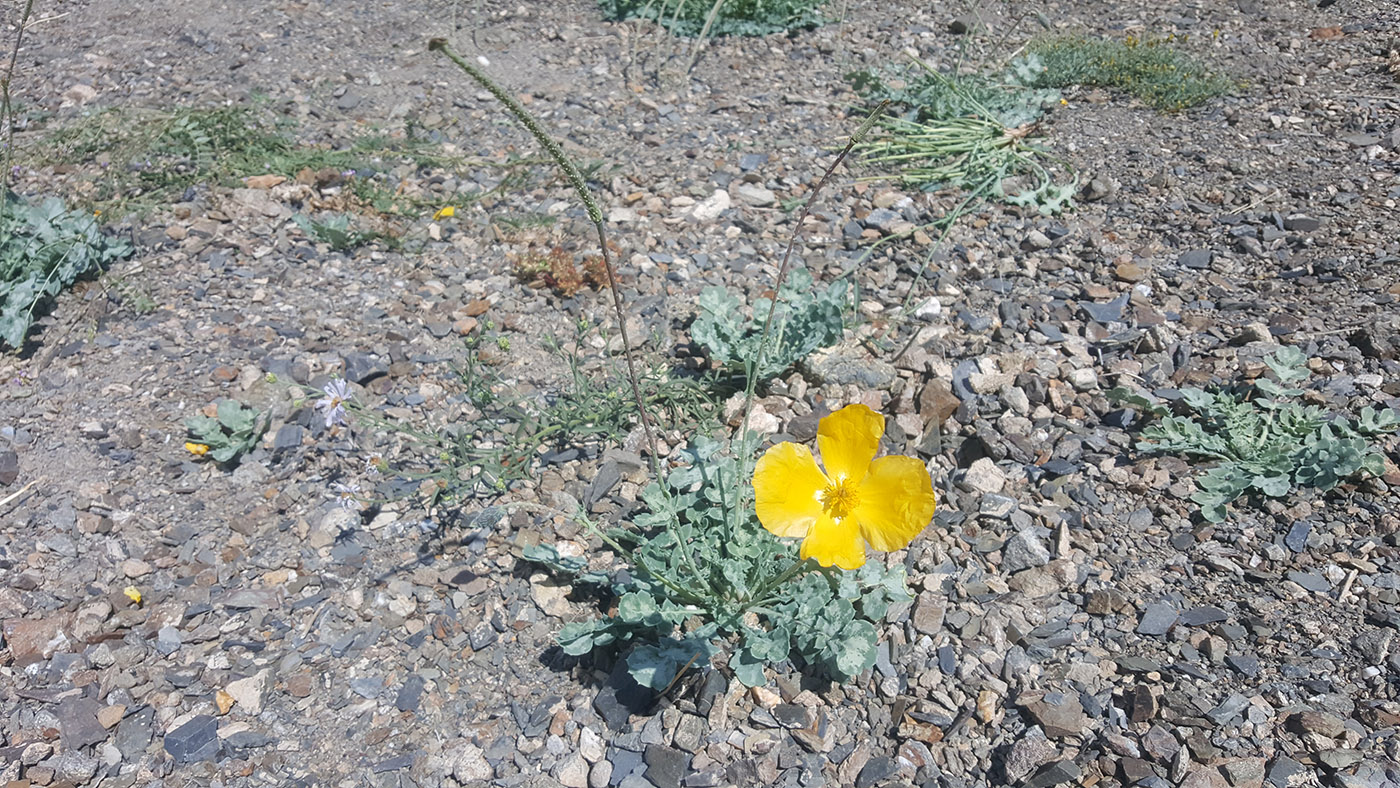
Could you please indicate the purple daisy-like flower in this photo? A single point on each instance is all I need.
(333, 404)
(347, 495)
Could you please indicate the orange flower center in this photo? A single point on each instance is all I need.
(839, 499)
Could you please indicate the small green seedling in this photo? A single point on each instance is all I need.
(808, 319)
(234, 432)
(335, 231)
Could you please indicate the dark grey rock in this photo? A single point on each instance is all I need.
(288, 437)
(73, 767)
(1110, 312)
(792, 715)
(752, 161)
(361, 368)
(168, 640)
(666, 766)
(1281, 770)
(1196, 259)
(1024, 551)
(1311, 581)
(1246, 664)
(410, 694)
(1200, 616)
(1229, 709)
(350, 100)
(1301, 223)
(1057, 773)
(947, 660)
(1157, 620)
(624, 763)
(1297, 538)
(607, 477)
(196, 740)
(962, 373)
(713, 686)
(134, 733)
(876, 770)
(77, 723)
(9, 467)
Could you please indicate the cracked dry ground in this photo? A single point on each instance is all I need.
(1074, 624)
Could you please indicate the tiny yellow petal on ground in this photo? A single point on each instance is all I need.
(197, 449)
(133, 593)
(445, 212)
(224, 701)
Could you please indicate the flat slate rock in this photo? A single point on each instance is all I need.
(1157, 620)
(196, 740)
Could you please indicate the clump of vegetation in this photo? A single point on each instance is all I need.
(1264, 442)
(969, 132)
(1150, 69)
(807, 319)
(337, 231)
(507, 440)
(722, 18)
(148, 158)
(44, 248)
(697, 561)
(557, 270)
(226, 436)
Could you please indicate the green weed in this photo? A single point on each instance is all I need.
(1263, 441)
(1150, 69)
(231, 433)
(44, 249)
(733, 18)
(807, 320)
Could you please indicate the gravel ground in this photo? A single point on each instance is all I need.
(1074, 624)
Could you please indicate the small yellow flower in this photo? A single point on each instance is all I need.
(133, 593)
(445, 212)
(858, 500)
(197, 449)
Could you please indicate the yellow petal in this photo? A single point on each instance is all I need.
(834, 542)
(197, 449)
(133, 593)
(787, 486)
(848, 440)
(445, 212)
(895, 502)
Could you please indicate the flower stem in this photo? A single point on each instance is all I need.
(745, 451)
(595, 214)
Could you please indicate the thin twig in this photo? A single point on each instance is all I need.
(594, 213)
(17, 493)
(745, 452)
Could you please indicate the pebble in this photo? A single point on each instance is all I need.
(1157, 620)
(666, 767)
(755, 195)
(985, 477)
(1024, 551)
(196, 740)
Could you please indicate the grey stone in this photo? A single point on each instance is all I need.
(998, 507)
(1111, 312)
(196, 740)
(9, 467)
(876, 770)
(1229, 709)
(1297, 538)
(134, 733)
(792, 715)
(1157, 620)
(1057, 773)
(1200, 616)
(410, 694)
(77, 723)
(73, 766)
(882, 219)
(1281, 770)
(928, 613)
(1058, 715)
(361, 368)
(755, 195)
(1024, 551)
(168, 640)
(1246, 664)
(666, 766)
(288, 437)
(1301, 223)
(848, 364)
(1310, 581)
(1196, 259)
(1030, 752)
(349, 100)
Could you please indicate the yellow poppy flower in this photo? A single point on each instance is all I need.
(445, 212)
(858, 500)
(197, 449)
